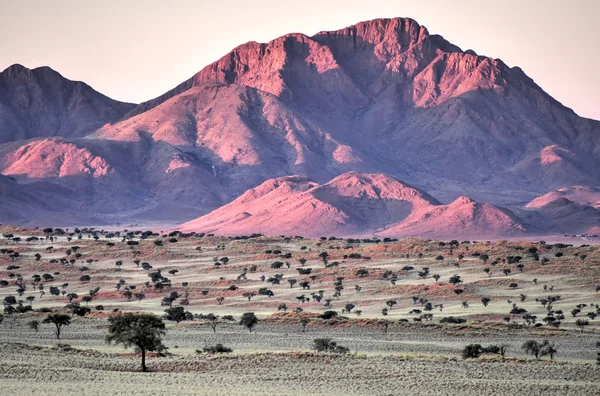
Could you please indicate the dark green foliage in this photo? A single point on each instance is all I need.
(143, 331)
(177, 314)
(58, 320)
(539, 349)
(453, 320)
(249, 320)
(472, 351)
(327, 345)
(328, 315)
(219, 348)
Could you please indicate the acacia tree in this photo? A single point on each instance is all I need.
(58, 320)
(213, 321)
(34, 325)
(144, 331)
(539, 349)
(304, 322)
(581, 323)
(249, 320)
(177, 314)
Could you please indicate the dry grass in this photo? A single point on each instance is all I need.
(412, 358)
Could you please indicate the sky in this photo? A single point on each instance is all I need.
(134, 50)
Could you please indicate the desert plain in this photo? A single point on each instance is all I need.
(404, 309)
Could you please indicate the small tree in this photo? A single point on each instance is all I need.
(249, 295)
(34, 325)
(144, 331)
(581, 323)
(532, 347)
(58, 320)
(177, 314)
(213, 321)
(304, 322)
(383, 325)
(249, 320)
(539, 349)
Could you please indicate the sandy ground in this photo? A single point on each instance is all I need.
(24, 371)
(412, 358)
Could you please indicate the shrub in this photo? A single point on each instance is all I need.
(472, 351)
(328, 315)
(453, 319)
(322, 344)
(327, 345)
(219, 348)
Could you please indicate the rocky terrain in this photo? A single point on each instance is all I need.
(382, 97)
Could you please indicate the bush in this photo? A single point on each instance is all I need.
(219, 348)
(327, 345)
(328, 315)
(472, 351)
(452, 319)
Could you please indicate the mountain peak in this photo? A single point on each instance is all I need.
(41, 102)
(463, 200)
(17, 67)
(14, 71)
(405, 30)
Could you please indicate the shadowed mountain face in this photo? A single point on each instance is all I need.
(42, 103)
(382, 97)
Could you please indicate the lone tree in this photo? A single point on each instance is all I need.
(213, 321)
(249, 320)
(58, 320)
(581, 323)
(304, 322)
(144, 331)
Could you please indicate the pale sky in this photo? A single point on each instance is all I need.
(135, 50)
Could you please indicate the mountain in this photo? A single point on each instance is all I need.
(379, 97)
(352, 204)
(582, 195)
(566, 216)
(462, 218)
(40, 102)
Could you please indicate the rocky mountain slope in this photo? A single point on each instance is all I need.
(379, 97)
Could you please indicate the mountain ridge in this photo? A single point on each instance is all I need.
(379, 97)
